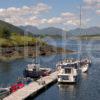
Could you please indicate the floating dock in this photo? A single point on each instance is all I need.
(33, 88)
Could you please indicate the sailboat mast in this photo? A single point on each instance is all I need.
(80, 18)
(80, 26)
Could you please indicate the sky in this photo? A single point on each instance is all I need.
(63, 14)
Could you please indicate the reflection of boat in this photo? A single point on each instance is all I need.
(68, 72)
(35, 71)
(85, 76)
(65, 87)
(4, 92)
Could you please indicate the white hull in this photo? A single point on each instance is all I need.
(63, 81)
(84, 68)
(66, 78)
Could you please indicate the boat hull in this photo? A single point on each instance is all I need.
(84, 68)
(67, 79)
(31, 74)
(4, 93)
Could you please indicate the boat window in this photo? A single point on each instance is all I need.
(65, 78)
(75, 65)
(34, 69)
(67, 70)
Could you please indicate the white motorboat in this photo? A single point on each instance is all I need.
(67, 73)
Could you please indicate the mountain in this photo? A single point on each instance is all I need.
(48, 31)
(58, 31)
(31, 29)
(10, 27)
(52, 31)
(87, 31)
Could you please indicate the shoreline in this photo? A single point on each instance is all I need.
(11, 53)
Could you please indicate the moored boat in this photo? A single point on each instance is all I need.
(4, 92)
(32, 71)
(36, 71)
(67, 72)
(84, 65)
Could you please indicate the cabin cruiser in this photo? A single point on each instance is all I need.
(4, 92)
(67, 72)
(36, 71)
(32, 70)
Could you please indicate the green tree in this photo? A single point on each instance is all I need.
(6, 33)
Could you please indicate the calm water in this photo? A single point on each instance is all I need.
(88, 87)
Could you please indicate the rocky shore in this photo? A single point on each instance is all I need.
(12, 53)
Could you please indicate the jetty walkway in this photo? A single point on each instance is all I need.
(33, 88)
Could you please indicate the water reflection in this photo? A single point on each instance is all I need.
(66, 88)
(84, 76)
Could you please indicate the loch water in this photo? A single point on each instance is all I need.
(88, 87)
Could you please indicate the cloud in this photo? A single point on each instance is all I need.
(98, 12)
(31, 15)
(55, 20)
(68, 14)
(94, 5)
(25, 14)
(91, 2)
(65, 18)
(25, 10)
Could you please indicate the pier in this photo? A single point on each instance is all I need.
(33, 88)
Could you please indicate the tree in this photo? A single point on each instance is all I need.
(6, 33)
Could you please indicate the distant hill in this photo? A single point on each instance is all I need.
(47, 31)
(58, 31)
(52, 31)
(87, 31)
(31, 29)
(10, 27)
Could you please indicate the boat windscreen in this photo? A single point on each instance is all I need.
(70, 65)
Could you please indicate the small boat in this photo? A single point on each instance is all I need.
(45, 71)
(32, 71)
(67, 72)
(35, 71)
(4, 92)
(84, 65)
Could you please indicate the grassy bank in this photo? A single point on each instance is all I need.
(19, 46)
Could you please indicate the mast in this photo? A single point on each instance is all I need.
(36, 51)
(80, 18)
(80, 25)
